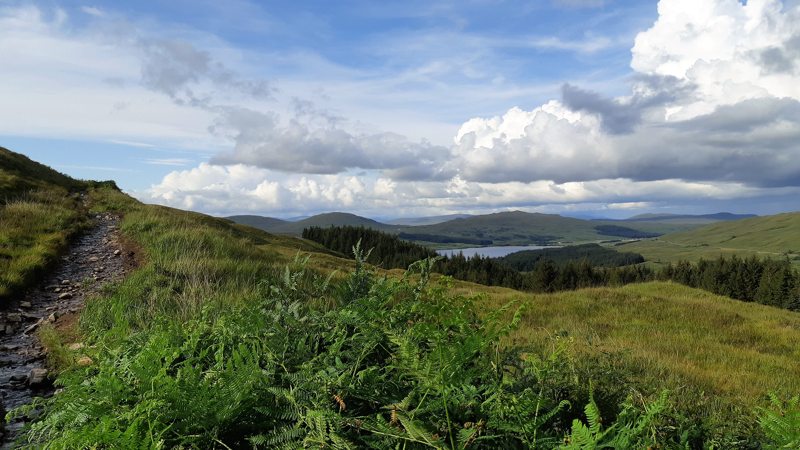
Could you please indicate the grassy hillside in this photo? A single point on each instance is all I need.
(226, 338)
(690, 219)
(20, 175)
(260, 222)
(194, 331)
(39, 211)
(668, 334)
(770, 236)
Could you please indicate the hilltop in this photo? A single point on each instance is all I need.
(504, 228)
(19, 175)
(768, 236)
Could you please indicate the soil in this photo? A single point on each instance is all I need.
(94, 259)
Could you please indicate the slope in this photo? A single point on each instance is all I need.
(39, 211)
(768, 236)
(666, 334)
(508, 228)
(260, 222)
(186, 334)
(19, 174)
(320, 220)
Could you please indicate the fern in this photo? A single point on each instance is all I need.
(780, 422)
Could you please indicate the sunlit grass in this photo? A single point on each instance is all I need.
(33, 231)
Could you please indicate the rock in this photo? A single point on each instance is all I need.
(84, 361)
(32, 327)
(65, 296)
(75, 346)
(18, 377)
(65, 282)
(93, 259)
(37, 377)
(53, 316)
(25, 304)
(57, 290)
(9, 329)
(13, 317)
(116, 252)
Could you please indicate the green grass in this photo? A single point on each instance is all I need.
(775, 236)
(34, 230)
(723, 356)
(38, 215)
(185, 345)
(221, 335)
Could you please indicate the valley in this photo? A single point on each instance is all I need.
(224, 316)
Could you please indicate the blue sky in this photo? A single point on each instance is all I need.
(583, 107)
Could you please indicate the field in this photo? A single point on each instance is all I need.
(228, 336)
(722, 356)
(771, 236)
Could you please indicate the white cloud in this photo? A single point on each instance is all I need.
(704, 106)
(240, 188)
(93, 11)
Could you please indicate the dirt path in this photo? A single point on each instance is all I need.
(94, 259)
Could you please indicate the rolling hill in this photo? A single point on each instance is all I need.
(19, 174)
(505, 228)
(260, 222)
(771, 236)
(226, 318)
(688, 219)
(429, 220)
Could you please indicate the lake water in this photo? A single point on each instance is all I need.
(491, 252)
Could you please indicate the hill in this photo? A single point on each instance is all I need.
(430, 220)
(505, 228)
(694, 219)
(225, 318)
(721, 353)
(19, 175)
(516, 228)
(768, 236)
(333, 219)
(39, 212)
(260, 222)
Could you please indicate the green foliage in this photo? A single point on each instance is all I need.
(393, 362)
(780, 422)
(387, 251)
(632, 429)
(625, 232)
(594, 254)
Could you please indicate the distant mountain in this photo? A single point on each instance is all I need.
(507, 228)
(260, 222)
(320, 220)
(431, 220)
(688, 218)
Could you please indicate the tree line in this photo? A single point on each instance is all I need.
(766, 281)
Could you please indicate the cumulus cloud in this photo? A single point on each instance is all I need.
(304, 145)
(705, 105)
(241, 188)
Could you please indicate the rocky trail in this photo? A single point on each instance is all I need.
(95, 258)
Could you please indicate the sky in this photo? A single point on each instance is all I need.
(589, 108)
